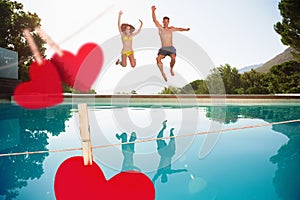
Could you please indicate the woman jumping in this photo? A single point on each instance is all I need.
(127, 33)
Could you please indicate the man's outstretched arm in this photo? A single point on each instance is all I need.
(157, 24)
(173, 171)
(179, 29)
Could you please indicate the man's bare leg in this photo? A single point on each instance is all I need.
(172, 63)
(160, 66)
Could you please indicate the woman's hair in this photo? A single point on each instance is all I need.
(123, 27)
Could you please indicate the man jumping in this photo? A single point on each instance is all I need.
(167, 49)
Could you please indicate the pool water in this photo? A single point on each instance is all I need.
(248, 163)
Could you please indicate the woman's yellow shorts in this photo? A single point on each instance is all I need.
(127, 53)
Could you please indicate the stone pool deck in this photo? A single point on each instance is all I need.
(183, 99)
(177, 100)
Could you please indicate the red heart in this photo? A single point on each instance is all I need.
(44, 88)
(80, 71)
(75, 181)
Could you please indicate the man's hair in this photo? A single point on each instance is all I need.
(166, 18)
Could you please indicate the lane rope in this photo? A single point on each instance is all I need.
(152, 139)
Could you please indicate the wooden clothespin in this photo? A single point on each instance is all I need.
(84, 126)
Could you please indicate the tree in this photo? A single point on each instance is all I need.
(215, 83)
(13, 20)
(289, 28)
(202, 88)
(231, 78)
(252, 82)
(284, 78)
(133, 92)
(223, 77)
(195, 87)
(170, 90)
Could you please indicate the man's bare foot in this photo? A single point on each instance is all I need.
(118, 62)
(171, 71)
(164, 123)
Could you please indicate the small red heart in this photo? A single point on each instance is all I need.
(80, 71)
(44, 88)
(75, 181)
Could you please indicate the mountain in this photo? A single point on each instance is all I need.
(281, 58)
(248, 68)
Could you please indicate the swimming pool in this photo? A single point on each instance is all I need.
(241, 162)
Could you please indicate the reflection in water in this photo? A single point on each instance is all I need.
(32, 127)
(166, 152)
(230, 114)
(287, 177)
(223, 114)
(28, 130)
(128, 151)
(287, 159)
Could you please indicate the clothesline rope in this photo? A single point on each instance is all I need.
(152, 139)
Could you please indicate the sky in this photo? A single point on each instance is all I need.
(235, 32)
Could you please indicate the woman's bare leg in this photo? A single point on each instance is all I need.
(132, 60)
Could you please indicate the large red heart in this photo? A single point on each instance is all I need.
(44, 88)
(75, 181)
(80, 71)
